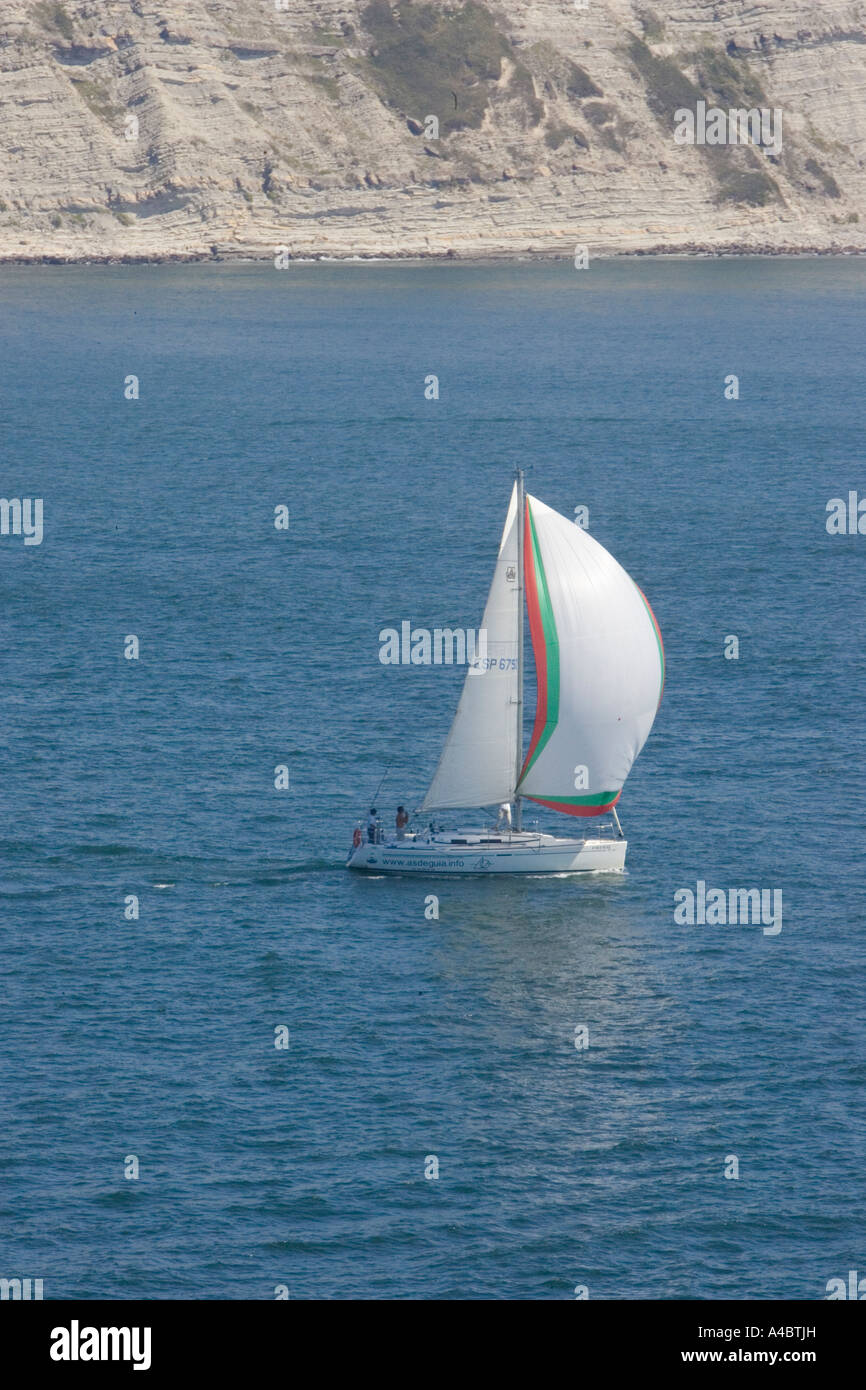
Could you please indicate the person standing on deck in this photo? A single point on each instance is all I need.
(402, 822)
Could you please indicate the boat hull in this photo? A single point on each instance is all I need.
(519, 854)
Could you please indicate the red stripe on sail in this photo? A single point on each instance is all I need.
(658, 636)
(539, 647)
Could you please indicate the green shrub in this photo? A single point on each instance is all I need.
(55, 17)
(826, 180)
(752, 186)
(429, 61)
(668, 88)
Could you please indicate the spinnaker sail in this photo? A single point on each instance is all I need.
(599, 667)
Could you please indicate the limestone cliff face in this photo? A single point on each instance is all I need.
(395, 127)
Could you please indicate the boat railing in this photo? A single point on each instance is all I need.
(603, 829)
(585, 829)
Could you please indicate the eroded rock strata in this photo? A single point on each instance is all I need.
(335, 128)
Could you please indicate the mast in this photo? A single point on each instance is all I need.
(521, 508)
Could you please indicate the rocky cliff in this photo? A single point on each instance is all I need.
(396, 127)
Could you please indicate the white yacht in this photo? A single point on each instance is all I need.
(599, 665)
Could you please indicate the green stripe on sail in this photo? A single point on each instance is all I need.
(551, 644)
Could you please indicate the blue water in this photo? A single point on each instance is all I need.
(411, 1037)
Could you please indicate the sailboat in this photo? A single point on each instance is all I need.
(599, 663)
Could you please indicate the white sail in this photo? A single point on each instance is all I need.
(479, 760)
(599, 663)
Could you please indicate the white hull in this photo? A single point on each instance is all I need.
(480, 852)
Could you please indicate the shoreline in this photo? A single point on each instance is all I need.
(689, 251)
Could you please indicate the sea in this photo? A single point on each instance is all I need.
(233, 1070)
